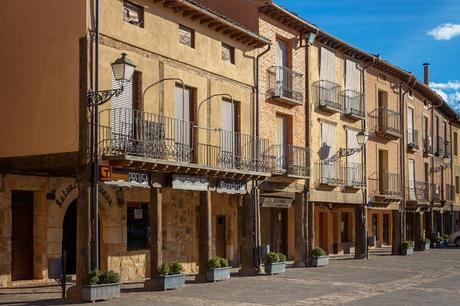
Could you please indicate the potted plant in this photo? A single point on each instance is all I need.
(320, 258)
(275, 263)
(101, 286)
(445, 241)
(218, 269)
(407, 248)
(425, 244)
(171, 276)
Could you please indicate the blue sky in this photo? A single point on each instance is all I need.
(405, 32)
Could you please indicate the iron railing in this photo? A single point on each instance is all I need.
(435, 191)
(412, 139)
(353, 102)
(449, 192)
(389, 184)
(427, 146)
(290, 160)
(353, 175)
(418, 191)
(285, 83)
(328, 173)
(326, 95)
(133, 132)
(388, 121)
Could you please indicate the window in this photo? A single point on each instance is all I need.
(137, 224)
(133, 13)
(352, 76)
(186, 36)
(327, 67)
(228, 53)
(455, 143)
(457, 184)
(122, 109)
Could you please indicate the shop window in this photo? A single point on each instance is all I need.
(228, 53)
(186, 36)
(137, 224)
(133, 13)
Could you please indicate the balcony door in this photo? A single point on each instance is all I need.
(410, 126)
(353, 174)
(383, 172)
(352, 86)
(182, 124)
(281, 72)
(281, 135)
(228, 135)
(122, 113)
(328, 169)
(412, 187)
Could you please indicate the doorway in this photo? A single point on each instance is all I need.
(69, 238)
(386, 229)
(22, 240)
(221, 236)
(279, 222)
(323, 232)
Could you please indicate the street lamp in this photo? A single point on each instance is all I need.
(362, 138)
(123, 70)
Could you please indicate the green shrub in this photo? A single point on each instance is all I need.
(176, 268)
(93, 277)
(109, 277)
(164, 269)
(318, 252)
(407, 244)
(224, 262)
(425, 241)
(445, 237)
(272, 257)
(214, 263)
(281, 257)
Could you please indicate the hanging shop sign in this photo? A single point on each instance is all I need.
(231, 187)
(275, 202)
(123, 178)
(190, 182)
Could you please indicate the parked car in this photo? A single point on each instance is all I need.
(455, 238)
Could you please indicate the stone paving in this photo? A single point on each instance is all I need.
(425, 278)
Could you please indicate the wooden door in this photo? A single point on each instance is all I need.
(221, 236)
(323, 231)
(22, 251)
(279, 221)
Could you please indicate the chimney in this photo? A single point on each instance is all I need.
(426, 73)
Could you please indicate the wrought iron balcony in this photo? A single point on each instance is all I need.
(435, 190)
(128, 132)
(449, 193)
(328, 173)
(389, 184)
(353, 175)
(290, 160)
(427, 146)
(285, 85)
(353, 102)
(326, 95)
(412, 140)
(418, 192)
(386, 123)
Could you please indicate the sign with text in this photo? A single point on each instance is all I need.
(128, 178)
(275, 202)
(190, 182)
(231, 187)
(104, 173)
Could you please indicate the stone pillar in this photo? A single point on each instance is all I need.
(360, 232)
(156, 237)
(418, 228)
(310, 232)
(396, 244)
(300, 222)
(205, 237)
(247, 242)
(430, 223)
(441, 220)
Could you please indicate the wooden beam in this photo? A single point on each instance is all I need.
(205, 20)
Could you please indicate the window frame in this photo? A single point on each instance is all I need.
(128, 5)
(145, 218)
(192, 35)
(232, 59)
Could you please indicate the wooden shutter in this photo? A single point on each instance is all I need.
(182, 126)
(352, 143)
(352, 76)
(327, 66)
(228, 125)
(122, 107)
(327, 140)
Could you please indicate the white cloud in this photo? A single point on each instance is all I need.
(443, 95)
(449, 91)
(445, 31)
(451, 85)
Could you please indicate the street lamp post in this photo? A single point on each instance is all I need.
(123, 70)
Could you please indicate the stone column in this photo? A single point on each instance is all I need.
(247, 242)
(300, 222)
(204, 252)
(360, 234)
(156, 237)
(310, 232)
(418, 228)
(396, 232)
(441, 219)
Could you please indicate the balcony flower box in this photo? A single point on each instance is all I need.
(218, 269)
(407, 248)
(101, 286)
(275, 263)
(320, 258)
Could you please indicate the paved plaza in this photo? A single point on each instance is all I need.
(426, 278)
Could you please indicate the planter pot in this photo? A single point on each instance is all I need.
(101, 292)
(275, 268)
(424, 246)
(408, 251)
(171, 281)
(218, 274)
(320, 261)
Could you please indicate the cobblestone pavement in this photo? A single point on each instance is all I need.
(425, 278)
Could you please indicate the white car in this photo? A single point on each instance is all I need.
(455, 238)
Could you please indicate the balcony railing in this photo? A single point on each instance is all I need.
(427, 146)
(435, 192)
(389, 184)
(412, 139)
(353, 175)
(449, 192)
(290, 160)
(285, 84)
(326, 95)
(133, 132)
(328, 173)
(353, 102)
(388, 122)
(418, 191)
